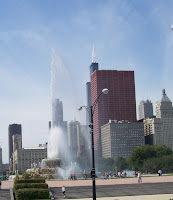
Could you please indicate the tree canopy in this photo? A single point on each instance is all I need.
(148, 155)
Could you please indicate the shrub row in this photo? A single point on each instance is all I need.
(25, 189)
(30, 185)
(18, 181)
(31, 193)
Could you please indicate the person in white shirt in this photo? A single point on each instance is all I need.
(139, 177)
(63, 190)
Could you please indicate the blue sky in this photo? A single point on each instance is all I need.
(128, 35)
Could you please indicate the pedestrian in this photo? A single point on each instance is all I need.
(103, 176)
(119, 174)
(71, 177)
(110, 174)
(85, 176)
(0, 183)
(63, 190)
(139, 177)
(159, 172)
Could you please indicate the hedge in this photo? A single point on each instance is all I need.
(18, 181)
(31, 193)
(30, 185)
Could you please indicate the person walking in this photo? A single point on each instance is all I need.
(71, 177)
(139, 177)
(159, 172)
(63, 190)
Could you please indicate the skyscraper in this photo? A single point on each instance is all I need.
(160, 129)
(118, 104)
(57, 113)
(57, 117)
(94, 66)
(145, 109)
(88, 95)
(13, 129)
(72, 137)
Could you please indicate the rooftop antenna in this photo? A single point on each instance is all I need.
(93, 55)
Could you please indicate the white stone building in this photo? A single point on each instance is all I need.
(160, 129)
(27, 158)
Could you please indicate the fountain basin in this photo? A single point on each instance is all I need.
(51, 162)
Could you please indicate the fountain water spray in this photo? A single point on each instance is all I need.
(57, 141)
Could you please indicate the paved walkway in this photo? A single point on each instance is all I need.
(118, 190)
(67, 183)
(5, 194)
(113, 182)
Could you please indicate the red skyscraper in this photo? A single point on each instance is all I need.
(118, 104)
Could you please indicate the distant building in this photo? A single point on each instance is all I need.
(17, 142)
(78, 138)
(120, 138)
(145, 109)
(13, 129)
(94, 66)
(27, 158)
(4, 168)
(118, 104)
(88, 95)
(1, 168)
(57, 117)
(72, 136)
(57, 113)
(159, 130)
(83, 140)
(149, 129)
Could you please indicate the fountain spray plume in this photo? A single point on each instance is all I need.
(58, 142)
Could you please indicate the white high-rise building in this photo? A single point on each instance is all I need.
(57, 113)
(161, 127)
(145, 109)
(72, 136)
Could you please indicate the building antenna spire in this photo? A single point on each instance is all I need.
(93, 55)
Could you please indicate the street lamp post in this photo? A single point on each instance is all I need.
(104, 91)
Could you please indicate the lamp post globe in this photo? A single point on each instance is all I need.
(105, 91)
(80, 108)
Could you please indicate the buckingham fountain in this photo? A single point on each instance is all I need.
(58, 161)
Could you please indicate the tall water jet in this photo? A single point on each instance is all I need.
(57, 142)
(58, 153)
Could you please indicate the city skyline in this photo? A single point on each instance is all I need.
(127, 36)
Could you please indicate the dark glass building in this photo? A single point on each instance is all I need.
(13, 129)
(118, 104)
(94, 66)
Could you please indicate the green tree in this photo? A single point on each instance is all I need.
(149, 157)
(162, 150)
(121, 164)
(139, 155)
(104, 164)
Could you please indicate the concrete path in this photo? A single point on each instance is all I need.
(5, 194)
(161, 193)
(112, 191)
(67, 183)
